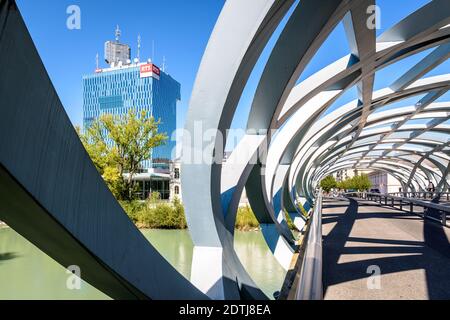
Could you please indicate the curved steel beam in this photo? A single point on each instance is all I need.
(240, 35)
(51, 192)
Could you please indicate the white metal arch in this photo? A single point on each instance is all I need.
(291, 164)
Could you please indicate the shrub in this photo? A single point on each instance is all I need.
(289, 221)
(156, 215)
(245, 219)
(133, 209)
(164, 217)
(303, 210)
(179, 213)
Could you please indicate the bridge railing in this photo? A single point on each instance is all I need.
(429, 210)
(422, 195)
(309, 286)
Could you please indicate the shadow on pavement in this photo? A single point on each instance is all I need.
(431, 255)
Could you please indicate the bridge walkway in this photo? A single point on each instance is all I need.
(360, 236)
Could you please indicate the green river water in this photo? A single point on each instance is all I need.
(28, 273)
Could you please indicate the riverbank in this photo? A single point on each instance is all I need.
(246, 220)
(156, 214)
(170, 215)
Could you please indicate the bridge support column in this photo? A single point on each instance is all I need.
(281, 249)
(207, 271)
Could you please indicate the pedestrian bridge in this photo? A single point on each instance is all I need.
(297, 133)
(360, 237)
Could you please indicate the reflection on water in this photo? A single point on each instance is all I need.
(28, 273)
(175, 245)
(259, 261)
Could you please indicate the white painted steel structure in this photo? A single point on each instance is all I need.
(291, 141)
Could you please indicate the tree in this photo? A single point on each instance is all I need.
(328, 183)
(361, 182)
(118, 145)
(343, 185)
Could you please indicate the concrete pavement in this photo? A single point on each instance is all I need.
(360, 238)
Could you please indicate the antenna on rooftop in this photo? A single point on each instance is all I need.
(164, 64)
(96, 61)
(139, 48)
(118, 33)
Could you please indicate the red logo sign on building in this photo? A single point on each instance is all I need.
(150, 70)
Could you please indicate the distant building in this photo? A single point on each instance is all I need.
(175, 182)
(342, 175)
(116, 52)
(384, 182)
(244, 202)
(141, 86)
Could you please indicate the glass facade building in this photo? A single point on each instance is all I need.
(117, 90)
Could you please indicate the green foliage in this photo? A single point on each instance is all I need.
(302, 210)
(133, 136)
(179, 210)
(133, 209)
(289, 221)
(115, 182)
(245, 219)
(163, 216)
(154, 214)
(344, 184)
(154, 197)
(328, 183)
(359, 182)
(147, 214)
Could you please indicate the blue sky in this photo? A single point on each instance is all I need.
(180, 30)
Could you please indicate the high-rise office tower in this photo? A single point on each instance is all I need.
(137, 85)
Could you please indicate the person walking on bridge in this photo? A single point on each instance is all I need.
(431, 189)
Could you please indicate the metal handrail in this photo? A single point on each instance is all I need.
(390, 201)
(421, 194)
(310, 285)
